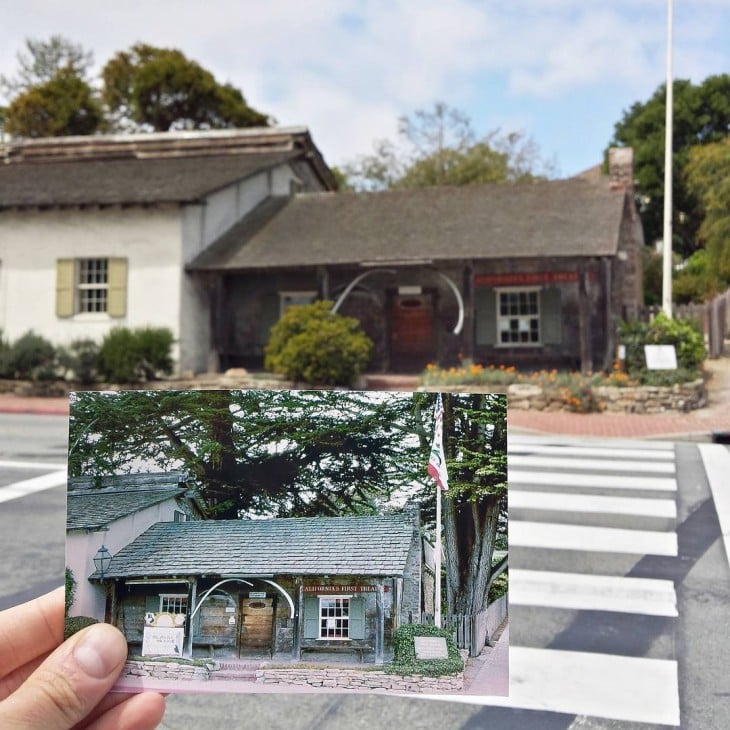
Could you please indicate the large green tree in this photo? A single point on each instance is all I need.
(160, 89)
(701, 116)
(439, 146)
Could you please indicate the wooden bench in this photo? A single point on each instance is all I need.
(359, 649)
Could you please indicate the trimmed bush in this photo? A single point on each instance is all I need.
(70, 586)
(4, 357)
(134, 356)
(404, 653)
(310, 344)
(73, 624)
(32, 357)
(81, 360)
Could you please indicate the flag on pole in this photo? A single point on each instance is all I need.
(437, 459)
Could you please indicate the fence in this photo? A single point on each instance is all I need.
(471, 632)
(714, 316)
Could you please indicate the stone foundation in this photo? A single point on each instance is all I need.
(358, 680)
(168, 670)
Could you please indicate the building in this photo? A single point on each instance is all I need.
(108, 512)
(97, 231)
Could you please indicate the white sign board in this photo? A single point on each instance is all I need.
(162, 641)
(660, 357)
(430, 647)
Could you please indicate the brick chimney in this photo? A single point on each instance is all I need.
(621, 168)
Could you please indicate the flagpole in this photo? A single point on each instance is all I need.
(667, 234)
(437, 589)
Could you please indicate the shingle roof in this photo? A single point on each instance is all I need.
(94, 503)
(128, 181)
(552, 218)
(294, 546)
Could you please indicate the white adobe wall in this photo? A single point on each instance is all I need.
(90, 598)
(32, 242)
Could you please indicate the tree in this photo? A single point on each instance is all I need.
(708, 177)
(440, 147)
(701, 116)
(160, 89)
(274, 453)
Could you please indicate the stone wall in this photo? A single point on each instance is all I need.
(359, 680)
(168, 670)
(639, 399)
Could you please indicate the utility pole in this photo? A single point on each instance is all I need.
(667, 244)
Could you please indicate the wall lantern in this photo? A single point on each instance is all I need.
(102, 560)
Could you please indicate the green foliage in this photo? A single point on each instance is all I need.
(161, 89)
(404, 653)
(499, 587)
(74, 624)
(701, 116)
(5, 371)
(31, 357)
(134, 356)
(81, 360)
(439, 147)
(685, 335)
(64, 105)
(70, 585)
(311, 344)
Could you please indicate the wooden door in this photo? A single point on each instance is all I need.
(411, 331)
(255, 630)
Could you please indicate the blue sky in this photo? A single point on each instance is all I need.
(560, 71)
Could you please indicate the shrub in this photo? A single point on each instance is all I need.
(133, 356)
(4, 357)
(81, 360)
(686, 336)
(499, 587)
(70, 585)
(312, 345)
(404, 653)
(32, 357)
(74, 624)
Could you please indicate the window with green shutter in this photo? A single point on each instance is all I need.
(91, 286)
(334, 617)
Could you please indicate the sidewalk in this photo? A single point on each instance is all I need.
(696, 425)
(488, 673)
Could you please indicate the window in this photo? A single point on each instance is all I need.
(518, 318)
(334, 617)
(91, 286)
(295, 299)
(173, 603)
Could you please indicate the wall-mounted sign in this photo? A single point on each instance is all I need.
(257, 594)
(529, 277)
(230, 609)
(162, 641)
(340, 589)
(660, 357)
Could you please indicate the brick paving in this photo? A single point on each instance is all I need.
(695, 425)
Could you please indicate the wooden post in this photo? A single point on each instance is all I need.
(192, 597)
(298, 623)
(379, 625)
(584, 320)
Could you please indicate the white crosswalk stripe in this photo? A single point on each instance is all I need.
(25, 487)
(575, 504)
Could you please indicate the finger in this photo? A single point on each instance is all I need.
(12, 681)
(69, 683)
(30, 630)
(138, 712)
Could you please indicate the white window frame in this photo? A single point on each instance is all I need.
(504, 320)
(182, 598)
(321, 618)
(80, 287)
(295, 298)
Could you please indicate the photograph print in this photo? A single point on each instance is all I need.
(284, 540)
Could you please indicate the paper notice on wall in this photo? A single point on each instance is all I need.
(162, 641)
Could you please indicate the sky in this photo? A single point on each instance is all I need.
(559, 71)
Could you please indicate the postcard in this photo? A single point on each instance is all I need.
(292, 540)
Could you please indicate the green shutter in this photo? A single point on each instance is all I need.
(485, 302)
(65, 282)
(311, 617)
(551, 316)
(268, 317)
(117, 302)
(152, 604)
(357, 618)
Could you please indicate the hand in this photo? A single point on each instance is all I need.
(49, 685)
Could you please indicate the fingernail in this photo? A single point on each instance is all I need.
(99, 652)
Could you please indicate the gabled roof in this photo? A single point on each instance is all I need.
(147, 169)
(294, 546)
(94, 503)
(551, 218)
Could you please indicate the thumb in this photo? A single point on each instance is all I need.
(67, 686)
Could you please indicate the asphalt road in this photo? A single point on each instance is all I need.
(658, 653)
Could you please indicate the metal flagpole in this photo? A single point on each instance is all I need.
(437, 589)
(667, 243)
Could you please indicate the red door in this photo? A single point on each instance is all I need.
(411, 331)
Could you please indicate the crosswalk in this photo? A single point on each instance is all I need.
(12, 488)
(589, 523)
